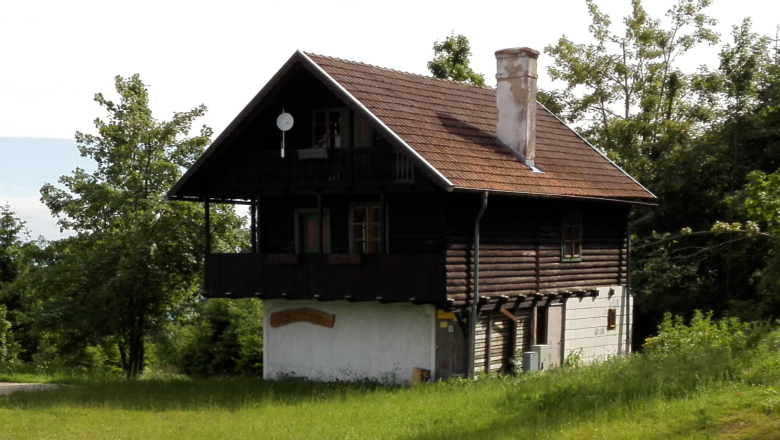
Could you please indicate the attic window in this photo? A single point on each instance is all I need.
(571, 239)
(329, 128)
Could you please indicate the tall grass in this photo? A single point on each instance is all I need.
(705, 379)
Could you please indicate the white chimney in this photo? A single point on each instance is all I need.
(516, 100)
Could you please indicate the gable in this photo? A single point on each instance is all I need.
(446, 129)
(246, 158)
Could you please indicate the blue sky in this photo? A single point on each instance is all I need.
(25, 165)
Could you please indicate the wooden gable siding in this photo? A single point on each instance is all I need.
(520, 247)
(249, 160)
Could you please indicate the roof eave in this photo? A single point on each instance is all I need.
(631, 201)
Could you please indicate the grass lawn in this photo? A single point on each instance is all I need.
(493, 408)
(716, 380)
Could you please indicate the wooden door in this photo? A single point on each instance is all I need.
(555, 335)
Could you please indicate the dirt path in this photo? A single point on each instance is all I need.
(9, 387)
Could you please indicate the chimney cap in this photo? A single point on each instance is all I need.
(514, 52)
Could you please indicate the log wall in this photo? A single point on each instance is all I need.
(520, 247)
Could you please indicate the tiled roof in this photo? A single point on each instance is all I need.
(452, 126)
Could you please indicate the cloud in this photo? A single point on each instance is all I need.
(36, 214)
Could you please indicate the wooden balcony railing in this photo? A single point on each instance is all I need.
(332, 167)
(385, 277)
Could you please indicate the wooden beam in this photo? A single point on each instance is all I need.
(509, 315)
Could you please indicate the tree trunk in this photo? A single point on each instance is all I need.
(123, 355)
(136, 361)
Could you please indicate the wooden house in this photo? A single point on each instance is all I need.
(398, 201)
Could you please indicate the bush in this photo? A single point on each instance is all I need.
(226, 339)
(9, 349)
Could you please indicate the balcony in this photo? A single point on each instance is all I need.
(386, 277)
(324, 167)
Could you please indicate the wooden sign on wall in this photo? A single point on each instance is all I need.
(289, 316)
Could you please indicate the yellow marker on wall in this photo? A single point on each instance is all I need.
(441, 314)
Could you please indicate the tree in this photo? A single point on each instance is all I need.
(12, 242)
(451, 61)
(626, 90)
(17, 256)
(135, 256)
(693, 138)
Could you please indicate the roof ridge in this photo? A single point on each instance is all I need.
(400, 71)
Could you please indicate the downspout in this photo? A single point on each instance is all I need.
(629, 295)
(475, 296)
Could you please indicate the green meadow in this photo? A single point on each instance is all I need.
(706, 380)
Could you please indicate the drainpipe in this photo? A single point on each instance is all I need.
(475, 296)
(628, 278)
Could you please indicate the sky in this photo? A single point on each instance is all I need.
(55, 55)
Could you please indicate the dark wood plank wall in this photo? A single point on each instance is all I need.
(384, 277)
(415, 221)
(520, 250)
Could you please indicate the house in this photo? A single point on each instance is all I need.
(410, 225)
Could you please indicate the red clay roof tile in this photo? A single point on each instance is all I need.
(452, 126)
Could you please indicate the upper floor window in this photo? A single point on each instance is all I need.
(365, 229)
(571, 246)
(329, 128)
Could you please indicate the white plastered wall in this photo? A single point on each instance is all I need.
(586, 330)
(381, 342)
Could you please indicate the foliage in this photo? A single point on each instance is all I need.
(628, 85)
(13, 239)
(19, 256)
(8, 347)
(693, 139)
(703, 336)
(226, 340)
(451, 61)
(135, 256)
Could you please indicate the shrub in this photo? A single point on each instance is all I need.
(226, 339)
(9, 349)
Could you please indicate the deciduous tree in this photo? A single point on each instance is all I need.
(135, 256)
(451, 61)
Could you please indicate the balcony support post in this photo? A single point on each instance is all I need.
(253, 219)
(206, 247)
(383, 219)
(207, 209)
(318, 232)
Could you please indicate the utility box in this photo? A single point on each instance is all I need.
(530, 361)
(542, 354)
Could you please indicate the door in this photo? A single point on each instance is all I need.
(307, 240)
(555, 335)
